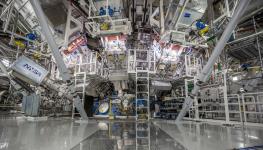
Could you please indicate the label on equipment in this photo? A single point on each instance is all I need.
(29, 69)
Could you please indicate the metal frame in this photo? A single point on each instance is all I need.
(68, 30)
(146, 137)
(256, 104)
(57, 56)
(132, 60)
(193, 65)
(94, 27)
(203, 76)
(144, 78)
(122, 25)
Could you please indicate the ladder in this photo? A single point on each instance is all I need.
(80, 86)
(142, 109)
(142, 95)
(143, 136)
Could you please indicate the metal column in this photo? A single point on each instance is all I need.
(58, 58)
(225, 96)
(258, 47)
(204, 75)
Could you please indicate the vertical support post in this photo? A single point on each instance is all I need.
(225, 96)
(258, 46)
(196, 108)
(107, 7)
(178, 13)
(240, 110)
(227, 8)
(56, 54)
(196, 104)
(204, 75)
(151, 8)
(244, 108)
(67, 29)
(95, 62)
(161, 17)
(186, 64)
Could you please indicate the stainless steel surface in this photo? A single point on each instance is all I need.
(29, 69)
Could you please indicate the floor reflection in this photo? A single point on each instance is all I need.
(128, 136)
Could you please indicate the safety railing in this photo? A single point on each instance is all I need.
(109, 27)
(252, 107)
(246, 108)
(91, 67)
(193, 65)
(234, 107)
(141, 59)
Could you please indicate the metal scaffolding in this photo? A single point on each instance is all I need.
(203, 76)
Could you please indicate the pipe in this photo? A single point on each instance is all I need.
(51, 41)
(258, 47)
(7, 9)
(58, 58)
(178, 13)
(204, 75)
(161, 17)
(247, 37)
(23, 85)
(17, 35)
(243, 19)
(10, 14)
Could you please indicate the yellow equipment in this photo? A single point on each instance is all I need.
(19, 44)
(111, 115)
(105, 26)
(202, 32)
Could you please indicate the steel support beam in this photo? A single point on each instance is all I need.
(161, 17)
(58, 58)
(178, 14)
(258, 46)
(9, 15)
(205, 73)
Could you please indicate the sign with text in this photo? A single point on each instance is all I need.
(29, 69)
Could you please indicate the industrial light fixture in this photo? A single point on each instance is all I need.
(6, 62)
(235, 78)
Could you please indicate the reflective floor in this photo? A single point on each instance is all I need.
(63, 134)
(54, 134)
(129, 136)
(204, 136)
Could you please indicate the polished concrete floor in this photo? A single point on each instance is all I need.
(64, 134)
